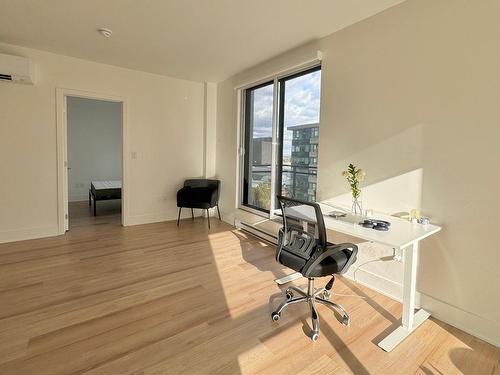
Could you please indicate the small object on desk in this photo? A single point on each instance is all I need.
(414, 215)
(380, 225)
(337, 214)
(424, 220)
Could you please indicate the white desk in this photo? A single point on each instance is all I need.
(402, 235)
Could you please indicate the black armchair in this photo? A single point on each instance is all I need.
(199, 193)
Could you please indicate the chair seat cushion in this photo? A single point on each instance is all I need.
(328, 266)
(331, 265)
(195, 197)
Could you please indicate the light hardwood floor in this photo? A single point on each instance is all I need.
(157, 299)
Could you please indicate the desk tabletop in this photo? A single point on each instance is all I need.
(401, 234)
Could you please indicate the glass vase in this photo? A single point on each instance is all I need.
(357, 206)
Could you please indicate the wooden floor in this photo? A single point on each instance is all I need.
(157, 299)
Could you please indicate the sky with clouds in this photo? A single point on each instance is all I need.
(302, 97)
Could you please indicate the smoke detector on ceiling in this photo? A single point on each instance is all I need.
(105, 32)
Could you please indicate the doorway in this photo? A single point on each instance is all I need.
(91, 159)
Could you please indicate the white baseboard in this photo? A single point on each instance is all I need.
(161, 216)
(475, 325)
(149, 218)
(376, 282)
(28, 233)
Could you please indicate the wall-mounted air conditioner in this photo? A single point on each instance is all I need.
(16, 69)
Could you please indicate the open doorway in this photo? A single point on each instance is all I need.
(90, 137)
(94, 141)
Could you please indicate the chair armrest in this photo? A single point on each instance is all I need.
(321, 254)
(182, 192)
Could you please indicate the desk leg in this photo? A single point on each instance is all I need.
(410, 320)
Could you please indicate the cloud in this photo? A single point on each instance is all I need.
(263, 112)
(302, 104)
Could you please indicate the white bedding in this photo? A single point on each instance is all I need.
(107, 184)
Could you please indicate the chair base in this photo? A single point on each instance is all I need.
(311, 296)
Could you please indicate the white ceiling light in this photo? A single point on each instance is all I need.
(105, 32)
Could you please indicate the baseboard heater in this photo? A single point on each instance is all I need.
(257, 232)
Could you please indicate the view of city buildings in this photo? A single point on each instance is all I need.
(302, 174)
(299, 164)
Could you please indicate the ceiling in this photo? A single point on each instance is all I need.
(202, 40)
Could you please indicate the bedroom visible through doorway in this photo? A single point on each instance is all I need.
(94, 161)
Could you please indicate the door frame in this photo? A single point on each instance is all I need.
(62, 151)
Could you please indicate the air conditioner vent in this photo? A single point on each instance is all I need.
(16, 69)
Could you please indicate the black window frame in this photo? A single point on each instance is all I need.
(247, 122)
(281, 125)
(248, 136)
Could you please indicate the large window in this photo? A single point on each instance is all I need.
(281, 129)
(258, 146)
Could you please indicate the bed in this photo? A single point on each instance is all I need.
(103, 191)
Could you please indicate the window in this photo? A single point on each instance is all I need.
(281, 129)
(258, 146)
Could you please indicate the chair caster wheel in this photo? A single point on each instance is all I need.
(326, 295)
(346, 321)
(275, 316)
(289, 295)
(314, 336)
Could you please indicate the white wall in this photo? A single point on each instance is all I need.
(412, 95)
(165, 120)
(94, 144)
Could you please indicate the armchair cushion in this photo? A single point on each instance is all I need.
(198, 193)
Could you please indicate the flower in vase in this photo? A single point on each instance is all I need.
(360, 174)
(354, 176)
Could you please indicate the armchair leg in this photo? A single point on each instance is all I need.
(218, 211)
(208, 218)
(192, 214)
(179, 216)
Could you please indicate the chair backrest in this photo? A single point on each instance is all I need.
(293, 237)
(204, 183)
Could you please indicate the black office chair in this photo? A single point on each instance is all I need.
(304, 248)
(199, 193)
